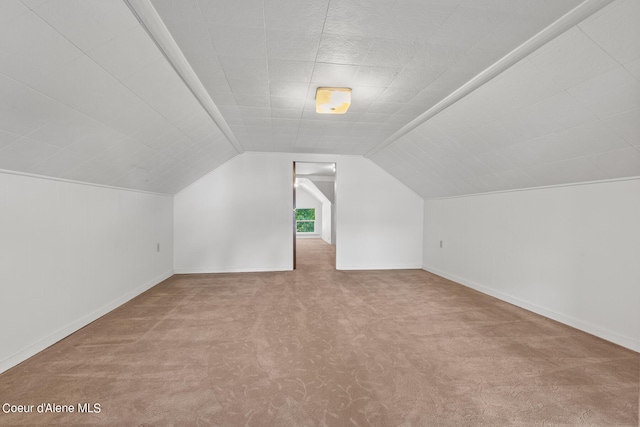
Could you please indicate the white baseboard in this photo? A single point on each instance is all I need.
(380, 267)
(56, 336)
(624, 341)
(214, 270)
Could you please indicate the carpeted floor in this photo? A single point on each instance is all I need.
(319, 347)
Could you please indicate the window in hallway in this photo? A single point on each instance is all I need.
(305, 220)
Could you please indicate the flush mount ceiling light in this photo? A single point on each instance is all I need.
(333, 100)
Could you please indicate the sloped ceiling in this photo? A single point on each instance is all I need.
(569, 112)
(86, 94)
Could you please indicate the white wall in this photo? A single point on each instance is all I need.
(379, 220)
(237, 218)
(326, 222)
(217, 228)
(570, 253)
(69, 253)
(304, 200)
(326, 187)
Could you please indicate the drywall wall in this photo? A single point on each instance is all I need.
(305, 200)
(326, 187)
(69, 253)
(239, 217)
(326, 222)
(570, 253)
(378, 219)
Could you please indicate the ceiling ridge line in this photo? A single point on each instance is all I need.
(564, 23)
(148, 17)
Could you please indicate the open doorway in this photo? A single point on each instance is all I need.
(314, 202)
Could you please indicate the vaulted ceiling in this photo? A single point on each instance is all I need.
(450, 96)
(569, 112)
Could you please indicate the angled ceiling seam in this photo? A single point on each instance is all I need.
(80, 112)
(569, 20)
(148, 17)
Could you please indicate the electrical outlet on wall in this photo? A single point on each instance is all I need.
(158, 247)
(440, 243)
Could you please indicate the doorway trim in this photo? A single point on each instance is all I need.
(320, 174)
(293, 186)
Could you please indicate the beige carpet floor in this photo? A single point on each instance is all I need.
(319, 347)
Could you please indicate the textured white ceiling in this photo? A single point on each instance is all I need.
(86, 94)
(569, 112)
(262, 60)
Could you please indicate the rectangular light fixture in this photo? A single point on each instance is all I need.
(333, 100)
